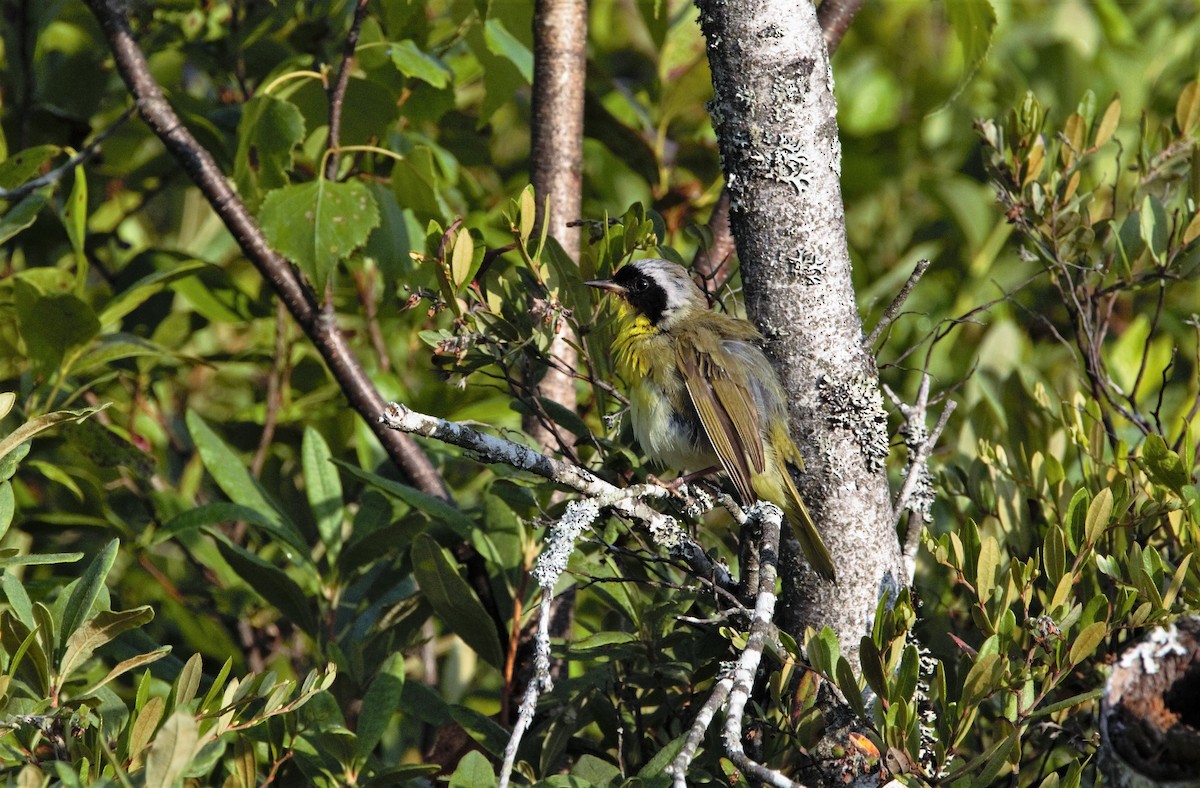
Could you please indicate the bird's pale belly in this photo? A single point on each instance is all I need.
(671, 437)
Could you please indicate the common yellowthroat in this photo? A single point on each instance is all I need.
(702, 394)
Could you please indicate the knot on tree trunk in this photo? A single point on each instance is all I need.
(1150, 714)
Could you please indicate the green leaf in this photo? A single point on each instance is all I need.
(230, 473)
(436, 508)
(52, 323)
(174, 747)
(482, 729)
(18, 598)
(973, 22)
(1087, 641)
(454, 601)
(474, 771)
(982, 680)
(224, 512)
(595, 771)
(1187, 109)
(79, 604)
(39, 559)
(23, 214)
(1153, 226)
(1098, 515)
(656, 767)
(381, 701)
(323, 488)
(188, 682)
(8, 506)
(848, 684)
(319, 223)
(42, 423)
(503, 43)
(460, 259)
(74, 214)
(270, 582)
(98, 631)
(124, 666)
(872, 667)
(823, 651)
(1163, 465)
(140, 291)
(412, 62)
(268, 133)
(997, 757)
(989, 562)
(1054, 554)
(25, 165)
(143, 728)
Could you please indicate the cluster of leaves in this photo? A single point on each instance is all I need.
(59, 657)
(1075, 522)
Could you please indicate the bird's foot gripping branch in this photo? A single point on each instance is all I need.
(732, 690)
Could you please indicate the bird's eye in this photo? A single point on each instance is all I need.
(638, 286)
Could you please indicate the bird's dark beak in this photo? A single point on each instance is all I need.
(606, 284)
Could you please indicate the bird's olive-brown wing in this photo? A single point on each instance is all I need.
(727, 414)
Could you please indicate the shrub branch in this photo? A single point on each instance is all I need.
(320, 326)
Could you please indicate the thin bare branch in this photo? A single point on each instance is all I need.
(762, 627)
(320, 327)
(54, 175)
(337, 91)
(893, 309)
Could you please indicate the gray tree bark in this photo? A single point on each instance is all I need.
(776, 122)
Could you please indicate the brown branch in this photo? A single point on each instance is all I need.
(54, 175)
(712, 264)
(321, 329)
(337, 91)
(556, 161)
(276, 382)
(834, 17)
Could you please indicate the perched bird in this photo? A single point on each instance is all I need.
(703, 394)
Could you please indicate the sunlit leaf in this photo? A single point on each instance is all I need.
(503, 43)
(319, 223)
(412, 62)
(173, 749)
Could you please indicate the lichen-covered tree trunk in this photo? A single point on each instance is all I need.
(776, 122)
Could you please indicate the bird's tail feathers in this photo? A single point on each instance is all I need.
(806, 532)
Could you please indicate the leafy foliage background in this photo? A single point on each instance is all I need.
(228, 505)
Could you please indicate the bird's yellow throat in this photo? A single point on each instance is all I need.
(633, 363)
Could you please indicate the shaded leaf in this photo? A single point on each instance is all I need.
(23, 214)
(270, 582)
(380, 702)
(454, 601)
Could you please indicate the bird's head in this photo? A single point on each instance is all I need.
(658, 289)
